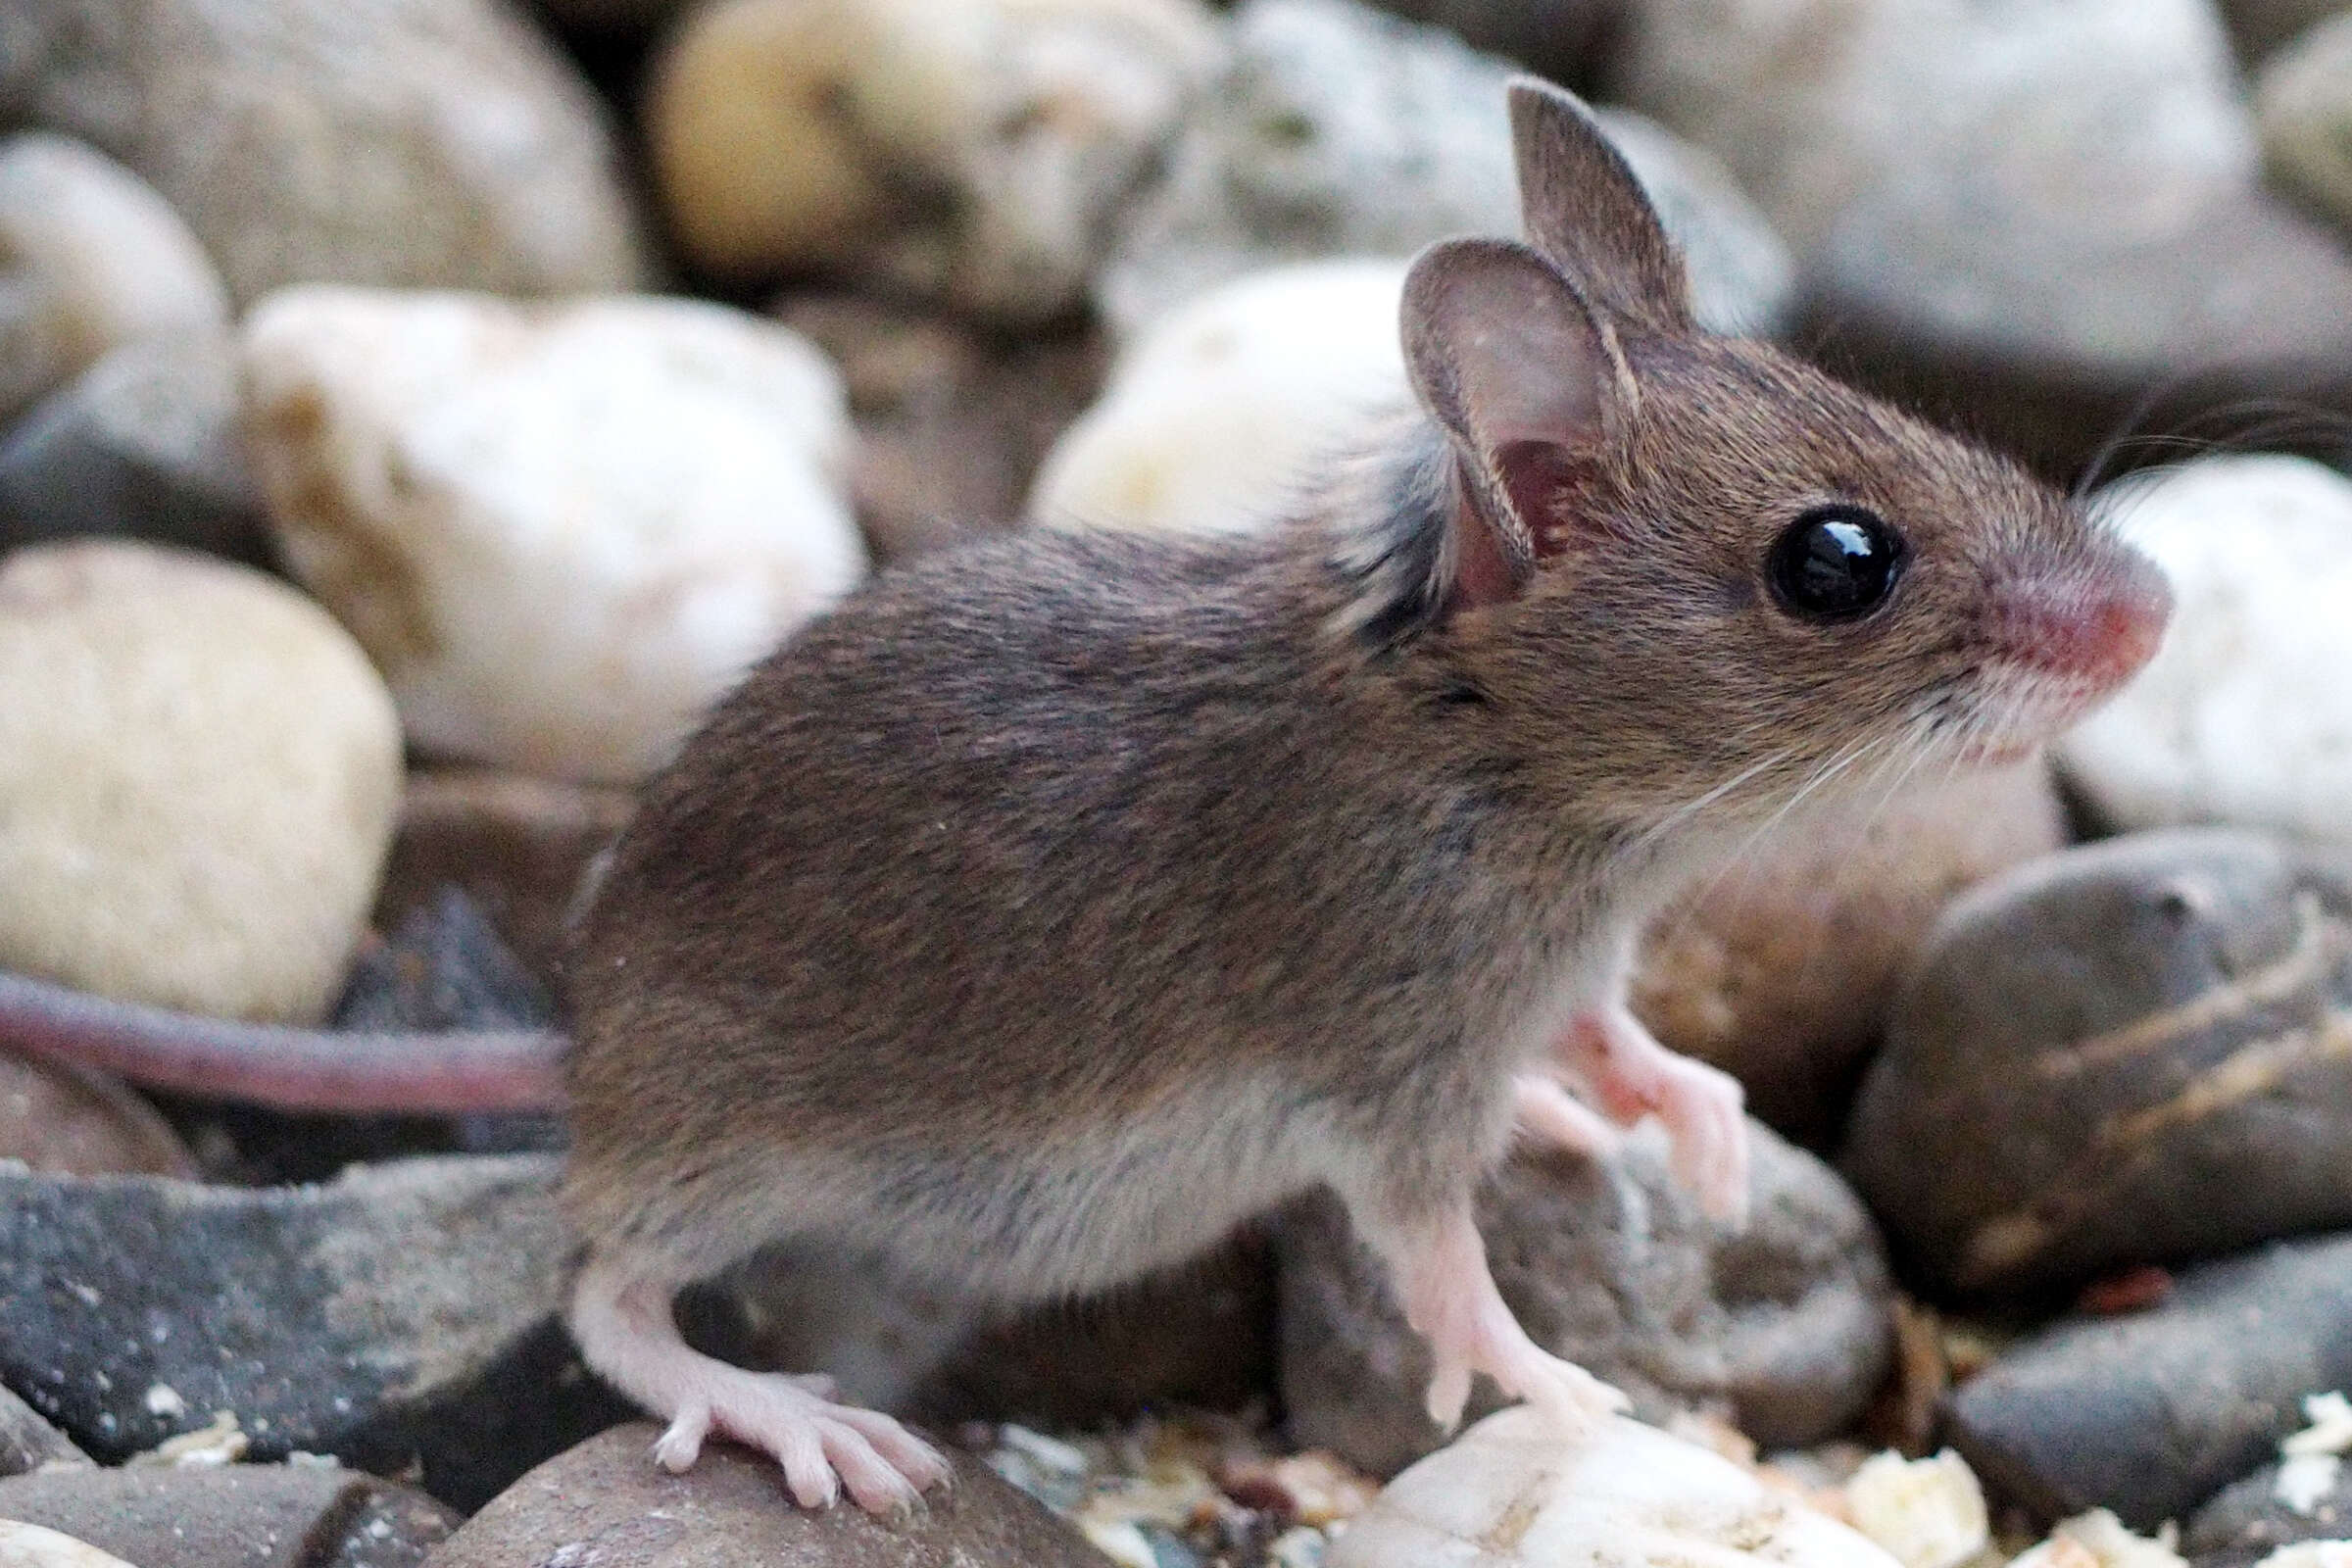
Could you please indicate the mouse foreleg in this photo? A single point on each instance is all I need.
(621, 1318)
(1438, 1265)
(1607, 1050)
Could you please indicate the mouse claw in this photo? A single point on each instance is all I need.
(681, 1442)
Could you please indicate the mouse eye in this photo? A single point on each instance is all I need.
(1835, 564)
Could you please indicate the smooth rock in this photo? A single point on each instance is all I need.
(952, 422)
(1567, 40)
(2243, 716)
(559, 531)
(2150, 1414)
(1614, 1268)
(1779, 967)
(144, 444)
(2258, 27)
(971, 155)
(1218, 413)
(518, 845)
(438, 143)
(235, 1516)
(2138, 1050)
(2303, 107)
(198, 771)
(2046, 222)
(2245, 1521)
(607, 1502)
(27, 1443)
(401, 1318)
(1339, 130)
(1510, 1493)
(23, 1546)
(79, 1123)
(91, 259)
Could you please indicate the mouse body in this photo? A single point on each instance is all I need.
(1049, 907)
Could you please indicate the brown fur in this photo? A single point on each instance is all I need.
(1050, 906)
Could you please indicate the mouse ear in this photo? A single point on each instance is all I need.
(1583, 206)
(1527, 381)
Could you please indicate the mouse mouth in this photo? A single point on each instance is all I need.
(2009, 712)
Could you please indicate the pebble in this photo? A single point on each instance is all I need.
(973, 155)
(1217, 413)
(426, 143)
(91, 259)
(401, 1317)
(144, 444)
(1510, 1493)
(519, 848)
(2045, 221)
(198, 773)
(1339, 130)
(1779, 967)
(23, 1546)
(27, 1443)
(2179, 1003)
(951, 420)
(560, 531)
(2246, 1522)
(1614, 1268)
(607, 1504)
(2303, 105)
(2151, 1414)
(2243, 716)
(82, 1124)
(254, 1516)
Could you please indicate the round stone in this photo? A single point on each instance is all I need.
(91, 259)
(2243, 716)
(198, 776)
(560, 530)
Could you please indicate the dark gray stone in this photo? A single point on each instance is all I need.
(2244, 1523)
(143, 445)
(2137, 1050)
(401, 1318)
(443, 966)
(27, 1441)
(2258, 27)
(1615, 1269)
(2149, 1415)
(234, 1516)
(607, 1504)
(1566, 40)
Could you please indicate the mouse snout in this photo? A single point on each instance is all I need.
(2093, 629)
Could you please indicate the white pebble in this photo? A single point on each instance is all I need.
(1220, 411)
(560, 530)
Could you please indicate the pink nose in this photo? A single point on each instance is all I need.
(2097, 628)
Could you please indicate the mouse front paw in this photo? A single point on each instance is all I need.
(1703, 1108)
(824, 1446)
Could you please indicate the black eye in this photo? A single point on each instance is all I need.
(1835, 564)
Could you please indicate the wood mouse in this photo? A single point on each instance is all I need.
(1049, 907)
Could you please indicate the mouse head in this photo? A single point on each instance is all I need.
(1677, 565)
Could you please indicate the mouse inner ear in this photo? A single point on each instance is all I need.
(1527, 382)
(1583, 206)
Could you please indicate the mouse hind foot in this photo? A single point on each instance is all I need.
(1438, 1264)
(622, 1321)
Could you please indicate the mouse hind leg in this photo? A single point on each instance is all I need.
(621, 1316)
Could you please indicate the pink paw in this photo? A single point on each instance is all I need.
(822, 1447)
